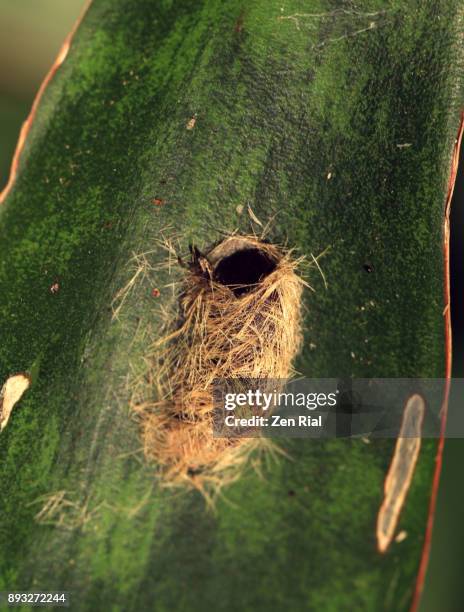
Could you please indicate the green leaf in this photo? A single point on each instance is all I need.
(336, 126)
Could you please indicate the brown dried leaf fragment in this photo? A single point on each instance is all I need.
(401, 471)
(10, 394)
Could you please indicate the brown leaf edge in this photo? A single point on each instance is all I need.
(448, 365)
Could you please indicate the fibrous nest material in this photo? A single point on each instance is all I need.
(240, 317)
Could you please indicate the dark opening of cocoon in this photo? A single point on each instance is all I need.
(240, 317)
(244, 269)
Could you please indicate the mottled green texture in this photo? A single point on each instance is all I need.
(279, 104)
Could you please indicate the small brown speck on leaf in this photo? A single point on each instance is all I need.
(401, 536)
(191, 123)
(239, 24)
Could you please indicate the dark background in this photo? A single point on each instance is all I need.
(31, 33)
